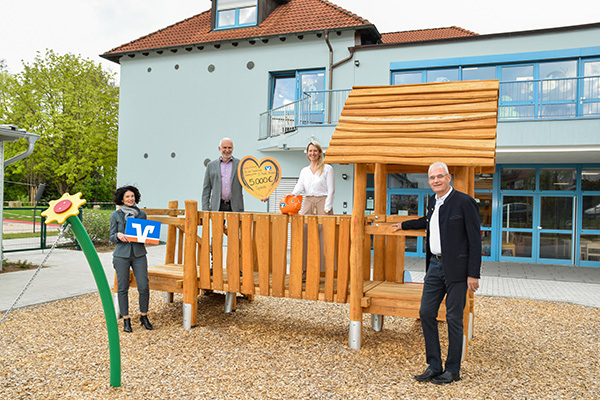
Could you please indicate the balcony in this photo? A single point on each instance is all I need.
(315, 108)
(544, 99)
(526, 100)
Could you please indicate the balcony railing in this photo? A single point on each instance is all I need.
(315, 108)
(538, 99)
(535, 99)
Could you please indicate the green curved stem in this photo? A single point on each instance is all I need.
(105, 295)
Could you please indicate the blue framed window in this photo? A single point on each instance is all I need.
(236, 13)
(290, 86)
(590, 90)
(537, 89)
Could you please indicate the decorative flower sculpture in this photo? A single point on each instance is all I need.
(60, 211)
(63, 208)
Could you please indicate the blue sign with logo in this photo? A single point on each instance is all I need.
(142, 231)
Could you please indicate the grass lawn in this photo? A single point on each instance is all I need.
(26, 214)
(23, 235)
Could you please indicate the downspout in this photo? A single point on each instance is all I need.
(331, 66)
(31, 139)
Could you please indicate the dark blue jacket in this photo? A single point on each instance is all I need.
(460, 235)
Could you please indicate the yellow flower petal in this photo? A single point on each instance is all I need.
(63, 208)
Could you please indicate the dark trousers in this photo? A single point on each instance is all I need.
(139, 265)
(225, 206)
(434, 290)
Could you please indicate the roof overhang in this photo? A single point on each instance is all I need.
(116, 57)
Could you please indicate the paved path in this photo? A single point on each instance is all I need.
(578, 285)
(69, 275)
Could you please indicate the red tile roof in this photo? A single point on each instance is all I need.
(296, 16)
(425, 34)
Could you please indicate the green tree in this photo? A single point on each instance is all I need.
(73, 105)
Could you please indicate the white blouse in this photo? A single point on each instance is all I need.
(310, 184)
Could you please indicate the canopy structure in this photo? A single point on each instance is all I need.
(416, 125)
(10, 133)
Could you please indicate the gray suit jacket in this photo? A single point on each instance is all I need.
(211, 190)
(124, 249)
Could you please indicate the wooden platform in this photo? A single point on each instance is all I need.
(395, 299)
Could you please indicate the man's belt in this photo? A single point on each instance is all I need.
(437, 257)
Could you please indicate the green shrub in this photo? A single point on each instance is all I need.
(97, 226)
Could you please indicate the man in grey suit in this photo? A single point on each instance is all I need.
(222, 190)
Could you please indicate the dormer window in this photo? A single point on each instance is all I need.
(236, 13)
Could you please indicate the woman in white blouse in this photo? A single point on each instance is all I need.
(316, 183)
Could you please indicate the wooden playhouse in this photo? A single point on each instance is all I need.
(382, 130)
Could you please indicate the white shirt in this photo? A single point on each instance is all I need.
(435, 243)
(311, 184)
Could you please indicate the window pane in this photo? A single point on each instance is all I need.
(521, 87)
(284, 90)
(406, 78)
(229, 4)
(560, 69)
(408, 181)
(517, 179)
(558, 179)
(517, 212)
(591, 88)
(517, 73)
(557, 212)
(226, 18)
(484, 181)
(554, 245)
(404, 204)
(516, 244)
(484, 201)
(558, 90)
(247, 15)
(442, 75)
(591, 212)
(486, 243)
(590, 179)
(590, 247)
(478, 73)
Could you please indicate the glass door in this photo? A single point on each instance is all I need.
(312, 84)
(517, 228)
(555, 229)
(590, 91)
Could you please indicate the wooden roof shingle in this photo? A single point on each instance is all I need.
(452, 122)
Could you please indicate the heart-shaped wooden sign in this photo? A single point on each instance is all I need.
(259, 178)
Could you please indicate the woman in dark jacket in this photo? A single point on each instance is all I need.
(129, 255)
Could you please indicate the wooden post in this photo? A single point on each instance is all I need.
(380, 209)
(171, 238)
(190, 274)
(357, 234)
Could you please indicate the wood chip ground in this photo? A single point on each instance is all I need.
(288, 349)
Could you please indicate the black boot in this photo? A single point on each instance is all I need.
(146, 323)
(127, 325)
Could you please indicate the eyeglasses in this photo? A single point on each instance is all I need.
(440, 176)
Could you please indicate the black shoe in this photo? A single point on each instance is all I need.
(446, 377)
(127, 325)
(146, 323)
(427, 375)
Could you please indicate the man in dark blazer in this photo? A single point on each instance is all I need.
(452, 266)
(222, 190)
